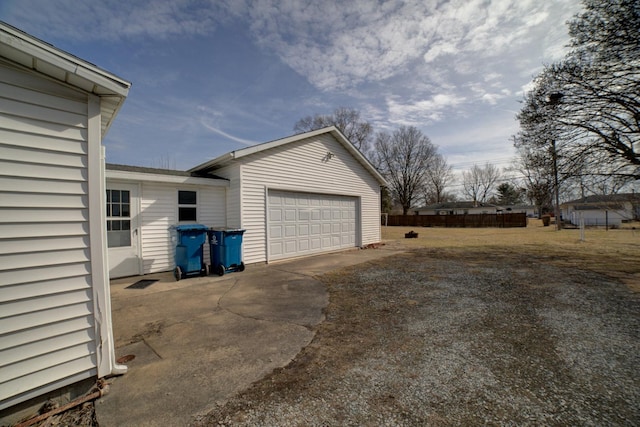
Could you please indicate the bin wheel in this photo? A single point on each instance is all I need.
(241, 266)
(177, 273)
(220, 270)
(207, 269)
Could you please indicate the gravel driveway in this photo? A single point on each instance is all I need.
(450, 337)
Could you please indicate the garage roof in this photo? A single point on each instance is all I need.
(35, 54)
(334, 131)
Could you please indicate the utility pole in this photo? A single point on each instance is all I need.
(556, 207)
(554, 100)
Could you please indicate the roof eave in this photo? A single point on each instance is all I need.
(37, 55)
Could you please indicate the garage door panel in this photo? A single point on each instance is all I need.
(316, 243)
(275, 231)
(290, 246)
(275, 248)
(302, 223)
(275, 214)
(290, 231)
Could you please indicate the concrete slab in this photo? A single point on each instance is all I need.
(199, 341)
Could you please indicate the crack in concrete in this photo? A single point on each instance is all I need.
(220, 305)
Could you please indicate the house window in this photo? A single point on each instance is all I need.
(187, 206)
(118, 218)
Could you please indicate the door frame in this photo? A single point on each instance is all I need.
(135, 230)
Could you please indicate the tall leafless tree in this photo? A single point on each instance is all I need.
(404, 157)
(594, 127)
(348, 120)
(478, 183)
(438, 176)
(536, 169)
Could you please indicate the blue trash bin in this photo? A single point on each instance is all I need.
(225, 250)
(189, 254)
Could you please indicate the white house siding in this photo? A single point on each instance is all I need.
(302, 166)
(47, 335)
(596, 217)
(234, 194)
(159, 212)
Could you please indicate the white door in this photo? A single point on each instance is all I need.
(122, 230)
(307, 223)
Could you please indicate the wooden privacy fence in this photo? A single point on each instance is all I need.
(469, 220)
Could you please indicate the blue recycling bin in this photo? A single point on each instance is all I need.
(225, 250)
(189, 254)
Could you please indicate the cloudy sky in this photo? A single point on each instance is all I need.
(214, 76)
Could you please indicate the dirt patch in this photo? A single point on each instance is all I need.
(458, 337)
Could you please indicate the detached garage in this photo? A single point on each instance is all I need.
(305, 194)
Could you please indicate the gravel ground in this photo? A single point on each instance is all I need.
(450, 337)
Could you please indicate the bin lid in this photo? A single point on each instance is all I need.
(227, 230)
(190, 227)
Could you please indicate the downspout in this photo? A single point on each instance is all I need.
(116, 368)
(105, 343)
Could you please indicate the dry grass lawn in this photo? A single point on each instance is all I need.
(615, 252)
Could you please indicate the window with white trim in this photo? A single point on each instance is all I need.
(187, 206)
(118, 218)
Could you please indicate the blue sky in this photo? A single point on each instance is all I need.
(214, 76)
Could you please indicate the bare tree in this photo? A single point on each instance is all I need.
(587, 106)
(536, 168)
(357, 130)
(478, 183)
(404, 157)
(437, 177)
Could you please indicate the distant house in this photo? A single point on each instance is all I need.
(602, 210)
(529, 210)
(457, 208)
(469, 208)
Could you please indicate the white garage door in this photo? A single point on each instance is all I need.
(306, 223)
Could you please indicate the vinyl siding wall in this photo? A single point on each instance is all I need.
(47, 335)
(159, 212)
(302, 166)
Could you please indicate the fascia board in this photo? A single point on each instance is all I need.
(167, 179)
(47, 53)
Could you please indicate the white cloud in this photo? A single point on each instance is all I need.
(115, 19)
(215, 130)
(421, 112)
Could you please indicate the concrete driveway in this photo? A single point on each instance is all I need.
(199, 341)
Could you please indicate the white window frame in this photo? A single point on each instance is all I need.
(188, 205)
